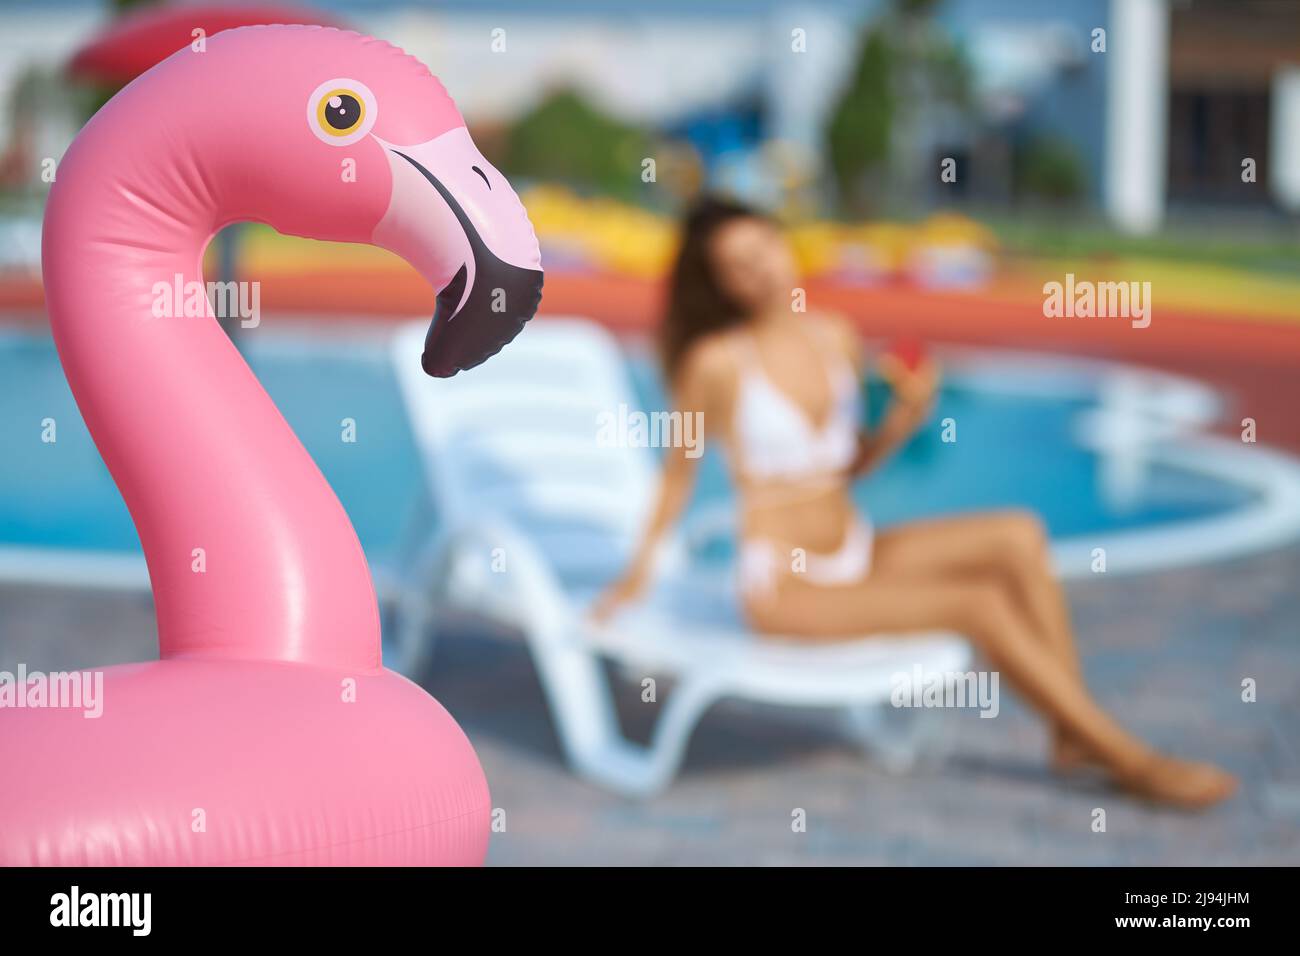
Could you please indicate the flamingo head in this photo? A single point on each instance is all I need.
(337, 136)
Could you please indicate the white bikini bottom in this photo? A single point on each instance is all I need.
(761, 560)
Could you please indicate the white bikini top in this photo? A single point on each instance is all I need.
(775, 440)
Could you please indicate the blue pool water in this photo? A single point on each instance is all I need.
(1012, 450)
(61, 495)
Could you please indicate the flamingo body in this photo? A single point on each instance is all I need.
(243, 763)
(268, 732)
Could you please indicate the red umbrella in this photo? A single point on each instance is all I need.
(135, 42)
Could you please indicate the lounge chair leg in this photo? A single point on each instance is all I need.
(588, 727)
(408, 625)
(687, 702)
(893, 737)
(586, 721)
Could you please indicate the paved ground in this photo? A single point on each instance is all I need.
(1166, 652)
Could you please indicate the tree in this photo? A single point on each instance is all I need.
(907, 74)
(564, 138)
(859, 133)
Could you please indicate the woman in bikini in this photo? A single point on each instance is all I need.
(779, 388)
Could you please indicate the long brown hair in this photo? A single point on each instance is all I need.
(696, 304)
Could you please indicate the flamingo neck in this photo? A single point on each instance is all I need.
(250, 554)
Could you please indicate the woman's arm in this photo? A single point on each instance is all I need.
(913, 397)
(913, 394)
(697, 384)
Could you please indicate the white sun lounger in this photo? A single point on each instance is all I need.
(535, 516)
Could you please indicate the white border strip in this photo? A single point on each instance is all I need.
(111, 571)
(1271, 521)
(106, 570)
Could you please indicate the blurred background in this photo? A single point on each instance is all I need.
(936, 162)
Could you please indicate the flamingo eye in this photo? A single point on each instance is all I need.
(341, 111)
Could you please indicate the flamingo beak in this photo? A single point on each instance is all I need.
(456, 219)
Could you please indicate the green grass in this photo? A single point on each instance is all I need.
(1273, 248)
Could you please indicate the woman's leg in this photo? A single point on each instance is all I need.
(984, 612)
(1010, 546)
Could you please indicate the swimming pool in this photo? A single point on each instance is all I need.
(58, 498)
(1053, 435)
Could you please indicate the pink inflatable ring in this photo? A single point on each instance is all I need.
(268, 732)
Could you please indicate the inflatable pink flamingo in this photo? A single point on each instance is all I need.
(268, 732)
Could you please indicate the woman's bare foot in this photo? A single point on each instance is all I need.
(1161, 779)
(1180, 783)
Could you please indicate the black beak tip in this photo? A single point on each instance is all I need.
(470, 337)
(435, 368)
